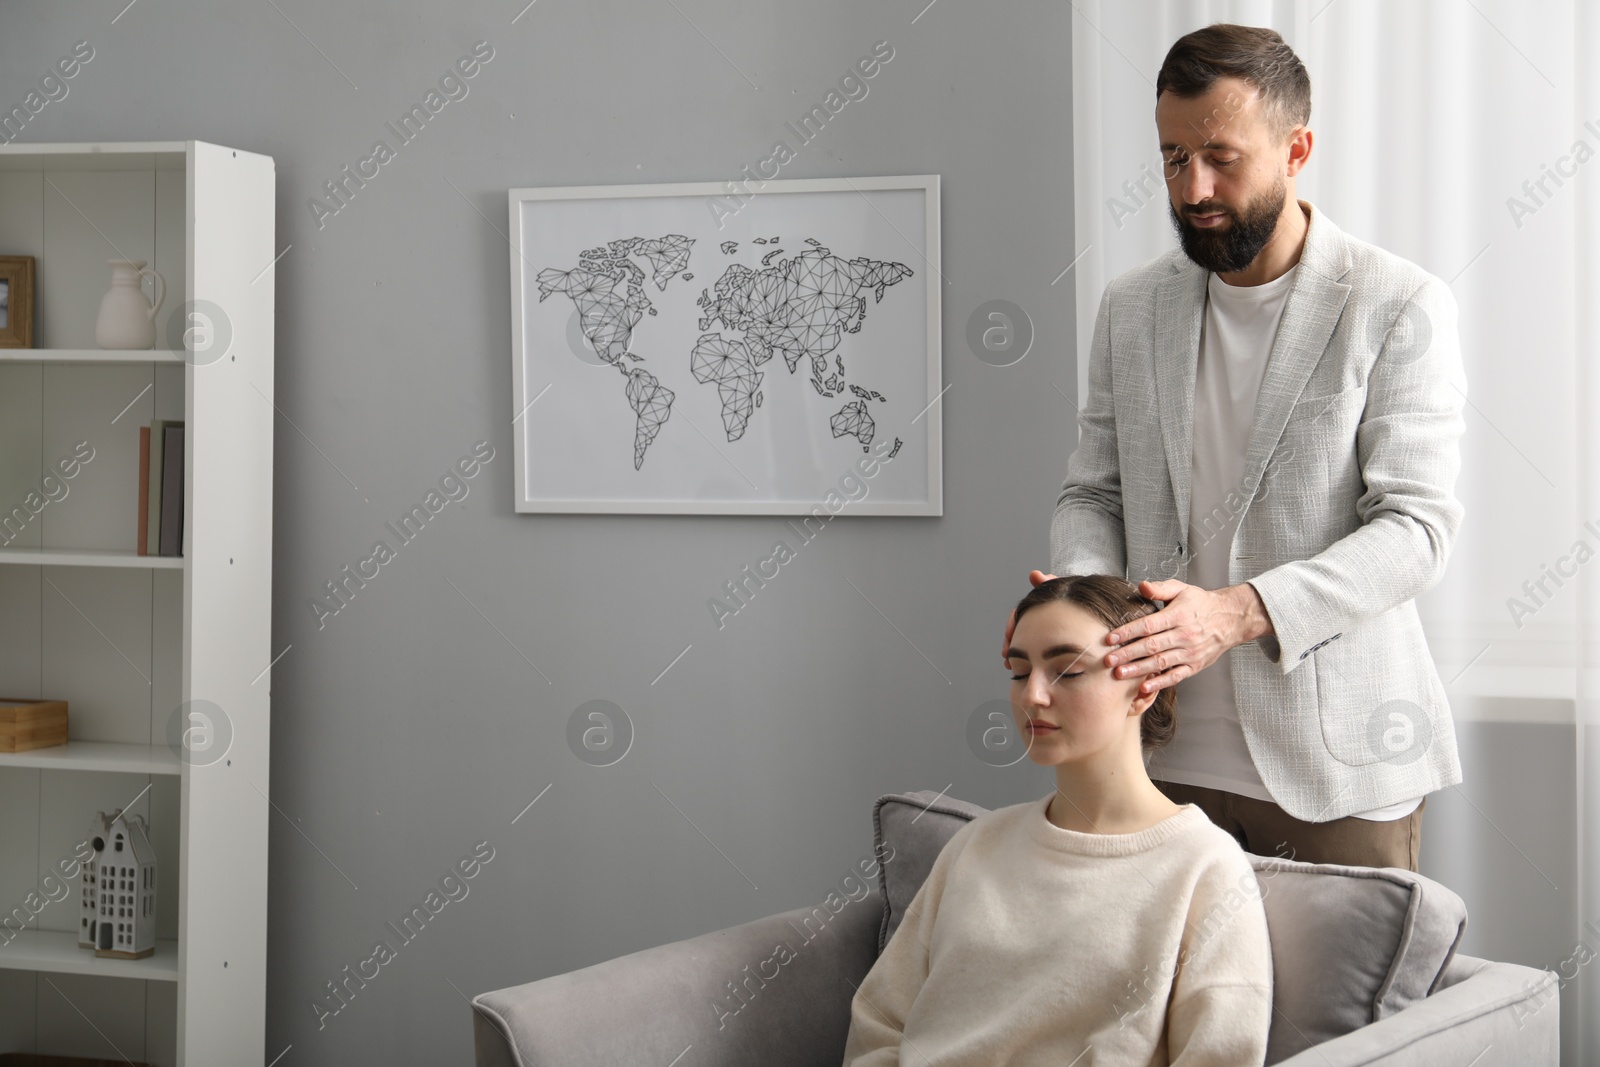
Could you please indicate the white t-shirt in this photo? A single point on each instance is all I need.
(1241, 322)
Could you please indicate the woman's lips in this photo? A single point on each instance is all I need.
(1037, 727)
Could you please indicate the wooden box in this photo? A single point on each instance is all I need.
(28, 724)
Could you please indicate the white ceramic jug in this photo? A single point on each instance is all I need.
(126, 318)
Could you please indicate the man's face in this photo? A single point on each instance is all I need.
(1224, 166)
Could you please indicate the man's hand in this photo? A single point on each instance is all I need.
(1037, 578)
(1186, 636)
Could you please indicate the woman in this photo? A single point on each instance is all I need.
(1100, 924)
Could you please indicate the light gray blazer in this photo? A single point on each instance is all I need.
(1347, 507)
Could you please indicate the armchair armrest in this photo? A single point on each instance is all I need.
(1490, 1014)
(775, 991)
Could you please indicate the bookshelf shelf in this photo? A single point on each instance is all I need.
(57, 952)
(97, 156)
(139, 645)
(112, 756)
(84, 557)
(91, 355)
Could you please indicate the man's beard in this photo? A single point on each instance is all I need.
(1235, 246)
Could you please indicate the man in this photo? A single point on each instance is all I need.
(1269, 445)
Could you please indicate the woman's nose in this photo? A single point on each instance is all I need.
(1038, 689)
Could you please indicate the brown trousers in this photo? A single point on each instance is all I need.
(1265, 829)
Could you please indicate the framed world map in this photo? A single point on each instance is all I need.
(762, 348)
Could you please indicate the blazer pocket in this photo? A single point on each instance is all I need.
(1371, 703)
(1325, 426)
(1327, 403)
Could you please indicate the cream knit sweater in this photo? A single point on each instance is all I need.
(1030, 944)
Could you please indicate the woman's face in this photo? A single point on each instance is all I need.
(1060, 683)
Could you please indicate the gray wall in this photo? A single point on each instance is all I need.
(1504, 840)
(410, 726)
(407, 729)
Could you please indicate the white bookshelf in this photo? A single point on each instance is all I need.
(116, 757)
(127, 639)
(87, 557)
(54, 952)
(89, 355)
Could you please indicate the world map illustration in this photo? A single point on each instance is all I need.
(799, 306)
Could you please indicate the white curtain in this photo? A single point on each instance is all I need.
(1585, 274)
(1428, 118)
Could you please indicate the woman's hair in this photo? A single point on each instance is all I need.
(1115, 602)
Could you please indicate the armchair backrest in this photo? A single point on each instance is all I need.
(1350, 945)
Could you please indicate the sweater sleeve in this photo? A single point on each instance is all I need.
(882, 1002)
(1221, 1006)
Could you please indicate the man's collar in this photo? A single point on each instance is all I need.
(1324, 252)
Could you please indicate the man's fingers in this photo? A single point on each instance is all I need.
(1165, 679)
(1151, 664)
(1157, 641)
(1129, 631)
(1162, 589)
(1144, 626)
(1143, 658)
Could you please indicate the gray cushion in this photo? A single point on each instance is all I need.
(1350, 945)
(916, 826)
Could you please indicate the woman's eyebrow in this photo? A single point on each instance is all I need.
(1050, 653)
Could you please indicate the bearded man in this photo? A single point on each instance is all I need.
(1269, 446)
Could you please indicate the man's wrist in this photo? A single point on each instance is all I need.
(1256, 622)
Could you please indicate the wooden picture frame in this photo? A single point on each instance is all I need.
(16, 307)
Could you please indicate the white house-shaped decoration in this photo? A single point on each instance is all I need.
(121, 883)
(89, 900)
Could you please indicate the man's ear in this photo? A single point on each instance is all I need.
(1300, 141)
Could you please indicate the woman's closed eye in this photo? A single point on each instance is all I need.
(1058, 677)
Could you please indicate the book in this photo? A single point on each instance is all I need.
(153, 490)
(172, 490)
(144, 490)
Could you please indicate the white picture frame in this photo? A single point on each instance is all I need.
(719, 423)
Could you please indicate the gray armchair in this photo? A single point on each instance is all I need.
(1365, 972)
